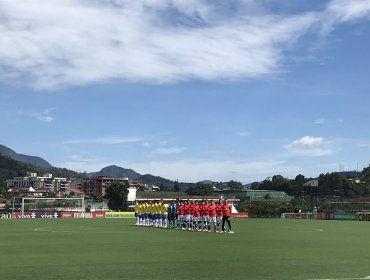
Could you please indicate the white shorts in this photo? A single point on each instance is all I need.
(205, 218)
(180, 217)
(187, 217)
(196, 219)
(219, 219)
(212, 219)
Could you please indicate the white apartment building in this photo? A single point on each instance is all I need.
(38, 182)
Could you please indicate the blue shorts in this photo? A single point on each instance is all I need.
(164, 217)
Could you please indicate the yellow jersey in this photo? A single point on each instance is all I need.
(164, 209)
(156, 208)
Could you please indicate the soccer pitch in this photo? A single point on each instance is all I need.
(116, 249)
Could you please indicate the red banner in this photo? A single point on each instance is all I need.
(240, 215)
(98, 215)
(67, 215)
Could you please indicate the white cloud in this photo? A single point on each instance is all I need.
(310, 146)
(147, 144)
(43, 116)
(51, 44)
(62, 43)
(348, 10)
(243, 134)
(79, 159)
(321, 121)
(169, 150)
(105, 140)
(364, 144)
(193, 171)
(197, 170)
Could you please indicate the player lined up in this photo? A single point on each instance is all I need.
(186, 215)
(151, 214)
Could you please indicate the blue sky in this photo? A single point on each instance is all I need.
(188, 90)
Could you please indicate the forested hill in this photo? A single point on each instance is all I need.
(10, 168)
(37, 161)
(119, 172)
(116, 172)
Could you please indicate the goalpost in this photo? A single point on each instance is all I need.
(52, 204)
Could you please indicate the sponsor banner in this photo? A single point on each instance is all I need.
(5, 215)
(363, 216)
(345, 216)
(36, 215)
(83, 215)
(240, 215)
(67, 215)
(325, 216)
(119, 215)
(99, 215)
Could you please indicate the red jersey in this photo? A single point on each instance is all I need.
(180, 209)
(196, 209)
(191, 209)
(201, 209)
(226, 209)
(206, 210)
(187, 209)
(212, 210)
(219, 210)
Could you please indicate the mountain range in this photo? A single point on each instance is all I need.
(116, 172)
(37, 161)
(120, 172)
(11, 168)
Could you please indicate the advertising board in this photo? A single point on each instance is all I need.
(5, 215)
(240, 215)
(109, 215)
(36, 215)
(346, 216)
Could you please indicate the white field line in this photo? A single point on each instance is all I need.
(367, 277)
(49, 230)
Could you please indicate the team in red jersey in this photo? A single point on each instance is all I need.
(186, 215)
(203, 216)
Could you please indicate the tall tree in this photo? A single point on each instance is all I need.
(299, 180)
(330, 184)
(200, 189)
(176, 186)
(117, 196)
(235, 185)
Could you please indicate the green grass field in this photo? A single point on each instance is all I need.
(115, 249)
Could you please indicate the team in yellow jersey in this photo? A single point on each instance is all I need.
(151, 213)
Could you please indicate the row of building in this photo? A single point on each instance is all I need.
(34, 185)
(46, 182)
